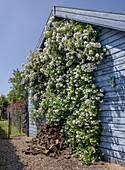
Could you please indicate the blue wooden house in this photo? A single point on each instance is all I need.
(112, 116)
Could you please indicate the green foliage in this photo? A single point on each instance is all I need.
(62, 85)
(4, 130)
(3, 105)
(19, 111)
(18, 91)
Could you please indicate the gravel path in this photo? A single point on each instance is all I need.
(12, 157)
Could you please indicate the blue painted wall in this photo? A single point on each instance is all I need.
(112, 116)
(33, 130)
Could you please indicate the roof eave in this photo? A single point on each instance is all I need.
(100, 18)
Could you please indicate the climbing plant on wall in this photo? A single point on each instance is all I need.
(62, 84)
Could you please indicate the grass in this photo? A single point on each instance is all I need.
(4, 130)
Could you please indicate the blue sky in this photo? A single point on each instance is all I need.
(21, 23)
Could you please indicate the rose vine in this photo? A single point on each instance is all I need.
(62, 85)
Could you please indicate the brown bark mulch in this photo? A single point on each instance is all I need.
(13, 157)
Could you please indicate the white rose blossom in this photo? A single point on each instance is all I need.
(62, 84)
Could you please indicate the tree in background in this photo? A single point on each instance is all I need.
(3, 105)
(18, 91)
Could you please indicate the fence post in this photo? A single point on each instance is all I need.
(9, 126)
(27, 124)
(20, 124)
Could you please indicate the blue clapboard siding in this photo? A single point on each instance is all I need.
(32, 128)
(114, 160)
(112, 115)
(35, 127)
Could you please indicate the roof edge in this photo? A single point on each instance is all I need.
(92, 10)
(87, 16)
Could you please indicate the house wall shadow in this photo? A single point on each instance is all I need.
(112, 116)
(9, 160)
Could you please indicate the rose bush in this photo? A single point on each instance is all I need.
(62, 85)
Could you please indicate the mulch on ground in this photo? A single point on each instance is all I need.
(13, 157)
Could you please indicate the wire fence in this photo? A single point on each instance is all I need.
(7, 129)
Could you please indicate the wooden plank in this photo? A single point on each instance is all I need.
(115, 49)
(104, 30)
(112, 120)
(114, 56)
(110, 69)
(113, 140)
(118, 98)
(100, 28)
(111, 63)
(116, 154)
(114, 98)
(106, 81)
(115, 43)
(115, 24)
(108, 74)
(113, 66)
(112, 146)
(114, 160)
(116, 65)
(32, 128)
(106, 84)
(119, 79)
(118, 87)
(32, 134)
(112, 38)
(114, 94)
(113, 107)
(116, 101)
(114, 113)
(113, 102)
(94, 13)
(108, 34)
(114, 133)
(108, 126)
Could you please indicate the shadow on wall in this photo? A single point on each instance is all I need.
(8, 157)
(112, 116)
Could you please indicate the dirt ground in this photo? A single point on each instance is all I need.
(12, 157)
